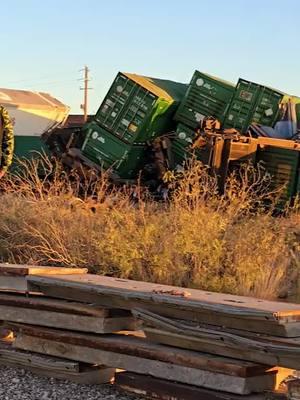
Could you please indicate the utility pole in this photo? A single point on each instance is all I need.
(86, 88)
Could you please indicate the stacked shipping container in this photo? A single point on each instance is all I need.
(138, 109)
(135, 110)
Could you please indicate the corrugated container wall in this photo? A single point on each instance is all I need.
(138, 108)
(182, 150)
(181, 143)
(108, 151)
(252, 103)
(283, 167)
(206, 96)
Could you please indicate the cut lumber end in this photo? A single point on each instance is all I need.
(24, 270)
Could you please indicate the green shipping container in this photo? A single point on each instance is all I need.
(283, 166)
(108, 151)
(206, 96)
(181, 147)
(252, 103)
(138, 108)
(181, 143)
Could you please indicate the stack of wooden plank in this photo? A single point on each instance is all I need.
(19, 305)
(54, 367)
(194, 343)
(13, 276)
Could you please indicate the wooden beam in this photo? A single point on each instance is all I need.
(20, 358)
(156, 388)
(13, 276)
(13, 284)
(137, 346)
(192, 376)
(245, 313)
(285, 354)
(42, 303)
(73, 322)
(54, 367)
(92, 376)
(24, 270)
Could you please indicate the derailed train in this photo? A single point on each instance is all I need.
(146, 127)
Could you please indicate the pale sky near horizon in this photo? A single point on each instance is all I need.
(44, 44)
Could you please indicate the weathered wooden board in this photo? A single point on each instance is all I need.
(199, 329)
(285, 354)
(171, 372)
(73, 322)
(39, 310)
(13, 284)
(156, 388)
(13, 276)
(93, 376)
(24, 270)
(42, 303)
(24, 358)
(54, 367)
(137, 346)
(245, 313)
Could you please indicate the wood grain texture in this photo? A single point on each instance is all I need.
(156, 388)
(23, 270)
(259, 353)
(276, 318)
(234, 305)
(137, 346)
(192, 376)
(42, 303)
(93, 376)
(54, 367)
(70, 321)
(39, 302)
(15, 284)
(24, 358)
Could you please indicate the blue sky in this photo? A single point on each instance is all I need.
(44, 44)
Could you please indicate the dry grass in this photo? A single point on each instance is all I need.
(198, 239)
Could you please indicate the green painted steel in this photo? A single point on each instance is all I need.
(206, 96)
(108, 151)
(181, 147)
(252, 103)
(133, 163)
(184, 137)
(29, 147)
(283, 166)
(137, 108)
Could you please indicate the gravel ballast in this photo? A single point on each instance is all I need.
(18, 384)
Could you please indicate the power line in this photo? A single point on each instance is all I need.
(37, 79)
(53, 83)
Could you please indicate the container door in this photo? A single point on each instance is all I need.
(206, 96)
(267, 107)
(181, 143)
(139, 107)
(252, 103)
(125, 108)
(239, 112)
